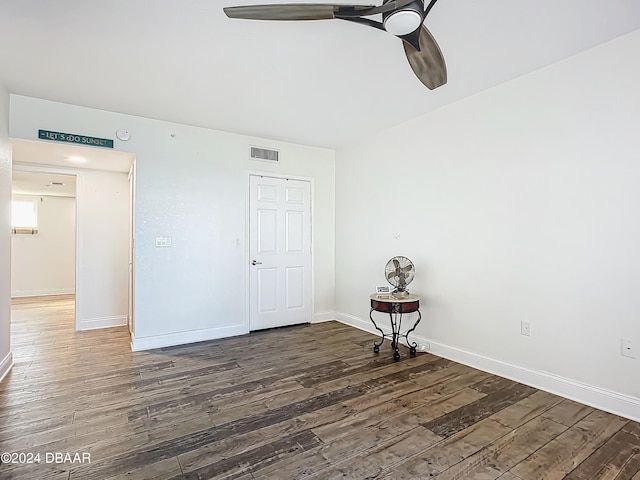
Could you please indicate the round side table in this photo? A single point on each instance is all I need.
(395, 307)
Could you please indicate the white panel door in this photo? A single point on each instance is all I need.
(280, 252)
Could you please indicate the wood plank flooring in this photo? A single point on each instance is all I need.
(301, 402)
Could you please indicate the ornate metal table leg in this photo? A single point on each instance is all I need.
(395, 326)
(393, 330)
(413, 346)
(376, 346)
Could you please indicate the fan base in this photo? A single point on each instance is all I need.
(400, 293)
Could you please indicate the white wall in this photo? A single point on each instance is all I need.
(191, 185)
(103, 249)
(518, 204)
(6, 360)
(45, 263)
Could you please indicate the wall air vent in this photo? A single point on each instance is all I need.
(264, 154)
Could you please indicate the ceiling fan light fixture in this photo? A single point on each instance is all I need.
(402, 22)
(76, 159)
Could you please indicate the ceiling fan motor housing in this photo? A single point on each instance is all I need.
(404, 20)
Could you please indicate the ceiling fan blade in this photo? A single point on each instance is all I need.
(293, 11)
(372, 10)
(428, 63)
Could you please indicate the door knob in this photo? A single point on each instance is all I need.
(255, 262)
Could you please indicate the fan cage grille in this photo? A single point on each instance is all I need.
(403, 263)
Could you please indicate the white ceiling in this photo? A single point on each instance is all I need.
(323, 83)
(28, 183)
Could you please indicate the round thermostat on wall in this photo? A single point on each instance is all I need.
(123, 134)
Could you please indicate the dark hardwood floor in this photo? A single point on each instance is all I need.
(301, 402)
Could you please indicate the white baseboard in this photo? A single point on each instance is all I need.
(365, 325)
(603, 399)
(323, 317)
(102, 322)
(181, 338)
(5, 365)
(43, 292)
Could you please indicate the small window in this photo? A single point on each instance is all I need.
(24, 215)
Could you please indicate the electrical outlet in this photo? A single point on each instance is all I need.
(627, 348)
(525, 328)
(163, 241)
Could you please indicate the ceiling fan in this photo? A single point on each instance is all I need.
(402, 18)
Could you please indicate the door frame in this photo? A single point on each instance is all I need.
(247, 236)
(53, 169)
(132, 250)
(33, 168)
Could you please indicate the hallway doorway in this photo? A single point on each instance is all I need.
(102, 227)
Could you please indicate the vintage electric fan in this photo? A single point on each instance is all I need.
(399, 272)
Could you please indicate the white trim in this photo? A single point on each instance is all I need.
(131, 273)
(603, 399)
(102, 322)
(45, 292)
(323, 317)
(5, 365)
(181, 338)
(354, 321)
(78, 298)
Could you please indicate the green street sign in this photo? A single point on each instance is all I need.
(75, 138)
